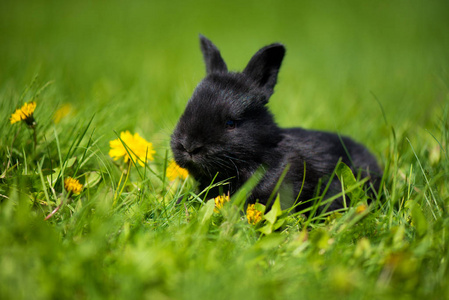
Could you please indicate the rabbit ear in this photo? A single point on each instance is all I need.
(264, 66)
(212, 58)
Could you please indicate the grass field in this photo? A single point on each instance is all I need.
(377, 71)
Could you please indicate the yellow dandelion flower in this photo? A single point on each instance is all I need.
(220, 201)
(253, 215)
(61, 113)
(25, 113)
(72, 185)
(174, 171)
(361, 208)
(136, 146)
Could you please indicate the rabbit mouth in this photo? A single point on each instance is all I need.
(203, 161)
(197, 169)
(220, 167)
(192, 162)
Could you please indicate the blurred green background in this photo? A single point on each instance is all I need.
(135, 63)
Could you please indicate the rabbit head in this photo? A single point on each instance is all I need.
(226, 129)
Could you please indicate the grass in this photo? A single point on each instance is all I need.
(375, 71)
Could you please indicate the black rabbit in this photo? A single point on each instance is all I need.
(226, 132)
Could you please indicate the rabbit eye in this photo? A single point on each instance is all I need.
(230, 124)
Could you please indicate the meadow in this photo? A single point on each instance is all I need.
(375, 71)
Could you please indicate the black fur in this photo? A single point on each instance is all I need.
(227, 131)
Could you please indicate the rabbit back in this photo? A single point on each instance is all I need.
(315, 155)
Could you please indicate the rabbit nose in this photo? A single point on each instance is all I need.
(192, 149)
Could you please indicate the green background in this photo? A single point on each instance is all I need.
(139, 61)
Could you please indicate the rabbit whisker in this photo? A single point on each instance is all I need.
(223, 163)
(236, 168)
(235, 158)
